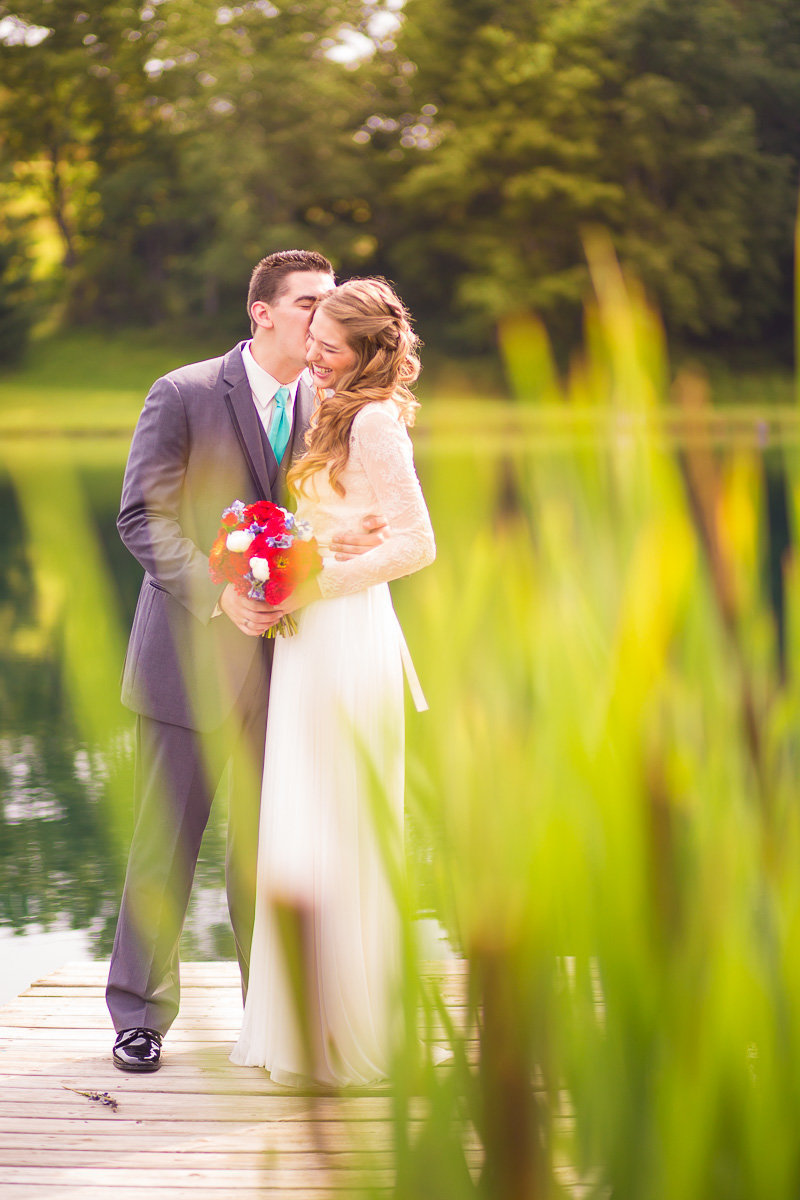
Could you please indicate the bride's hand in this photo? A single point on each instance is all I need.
(305, 594)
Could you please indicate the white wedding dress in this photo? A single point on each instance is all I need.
(335, 717)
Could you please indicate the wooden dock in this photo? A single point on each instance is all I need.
(72, 1125)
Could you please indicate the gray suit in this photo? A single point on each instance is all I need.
(198, 685)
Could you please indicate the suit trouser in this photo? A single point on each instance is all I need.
(177, 773)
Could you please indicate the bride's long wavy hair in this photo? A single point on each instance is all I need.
(377, 327)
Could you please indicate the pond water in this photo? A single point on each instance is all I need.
(61, 860)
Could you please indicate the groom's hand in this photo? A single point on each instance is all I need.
(253, 617)
(351, 542)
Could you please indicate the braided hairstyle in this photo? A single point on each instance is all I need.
(378, 329)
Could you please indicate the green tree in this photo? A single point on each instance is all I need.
(178, 142)
(709, 199)
(75, 111)
(264, 121)
(638, 115)
(16, 309)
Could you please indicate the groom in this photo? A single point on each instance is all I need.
(197, 671)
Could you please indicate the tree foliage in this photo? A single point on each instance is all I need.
(16, 306)
(642, 117)
(463, 147)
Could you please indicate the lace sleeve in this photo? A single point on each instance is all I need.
(381, 448)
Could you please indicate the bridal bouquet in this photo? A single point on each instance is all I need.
(265, 552)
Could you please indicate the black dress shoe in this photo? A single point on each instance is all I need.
(137, 1050)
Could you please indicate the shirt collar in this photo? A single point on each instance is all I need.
(262, 384)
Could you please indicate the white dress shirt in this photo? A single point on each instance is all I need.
(264, 386)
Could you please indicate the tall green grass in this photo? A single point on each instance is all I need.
(608, 779)
(602, 799)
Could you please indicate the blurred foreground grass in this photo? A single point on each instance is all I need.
(608, 782)
(602, 799)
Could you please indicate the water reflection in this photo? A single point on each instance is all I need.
(60, 866)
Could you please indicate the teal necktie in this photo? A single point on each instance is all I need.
(280, 427)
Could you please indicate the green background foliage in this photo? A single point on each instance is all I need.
(460, 147)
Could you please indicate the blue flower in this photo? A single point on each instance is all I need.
(237, 508)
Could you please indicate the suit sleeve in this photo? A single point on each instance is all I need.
(149, 520)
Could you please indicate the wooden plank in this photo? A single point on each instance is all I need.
(211, 999)
(213, 974)
(296, 1138)
(78, 1014)
(139, 1105)
(285, 1107)
(248, 1080)
(162, 1108)
(101, 1039)
(42, 1190)
(202, 1179)
(56, 1191)
(194, 996)
(205, 1068)
(450, 988)
(366, 1158)
(308, 1133)
(181, 1045)
(222, 973)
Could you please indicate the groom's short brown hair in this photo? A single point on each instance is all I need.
(267, 279)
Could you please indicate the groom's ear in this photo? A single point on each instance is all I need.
(261, 314)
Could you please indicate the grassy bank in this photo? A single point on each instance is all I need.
(91, 382)
(88, 381)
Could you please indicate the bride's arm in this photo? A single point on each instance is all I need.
(381, 445)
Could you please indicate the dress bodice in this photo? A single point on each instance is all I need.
(379, 479)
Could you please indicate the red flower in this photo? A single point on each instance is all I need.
(276, 589)
(216, 559)
(270, 515)
(260, 549)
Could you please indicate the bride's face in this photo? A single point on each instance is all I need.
(327, 352)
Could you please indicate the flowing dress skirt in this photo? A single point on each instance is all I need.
(333, 767)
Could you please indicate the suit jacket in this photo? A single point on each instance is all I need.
(196, 448)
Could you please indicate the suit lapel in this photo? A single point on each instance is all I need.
(239, 399)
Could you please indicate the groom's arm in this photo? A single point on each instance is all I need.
(351, 542)
(149, 520)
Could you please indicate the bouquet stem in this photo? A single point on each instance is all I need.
(286, 627)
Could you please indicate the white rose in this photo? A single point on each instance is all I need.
(260, 569)
(239, 541)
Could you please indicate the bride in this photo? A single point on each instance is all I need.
(324, 963)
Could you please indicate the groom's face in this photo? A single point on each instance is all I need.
(290, 313)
